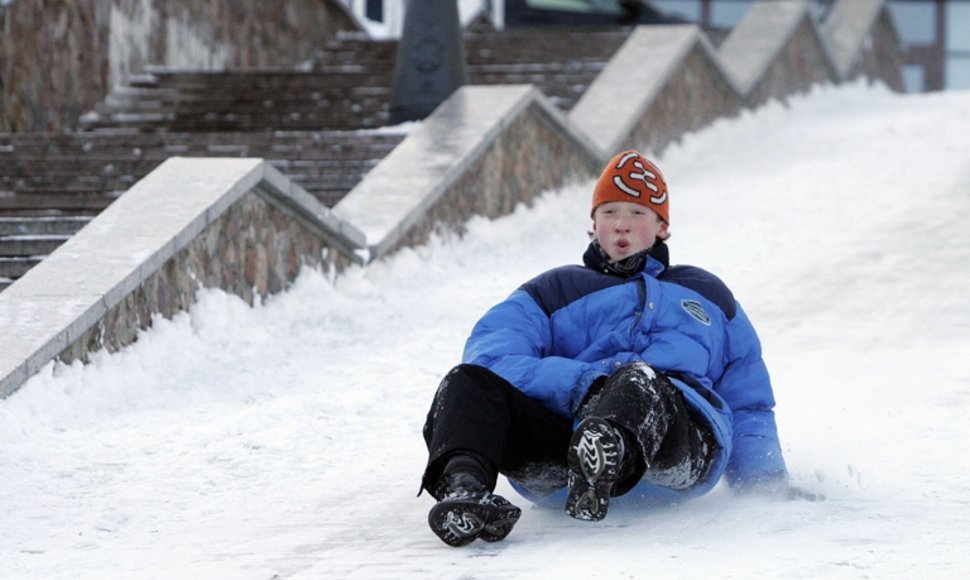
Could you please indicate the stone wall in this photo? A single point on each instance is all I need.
(864, 42)
(695, 95)
(230, 223)
(669, 80)
(484, 150)
(529, 157)
(802, 63)
(59, 58)
(879, 57)
(252, 250)
(53, 62)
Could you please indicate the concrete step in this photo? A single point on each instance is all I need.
(277, 99)
(80, 174)
(12, 268)
(42, 168)
(108, 144)
(257, 80)
(34, 226)
(54, 203)
(30, 246)
(346, 85)
(68, 183)
(350, 117)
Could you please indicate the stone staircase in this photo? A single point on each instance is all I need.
(347, 84)
(562, 63)
(306, 121)
(52, 185)
(333, 98)
(24, 241)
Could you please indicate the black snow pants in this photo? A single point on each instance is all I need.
(479, 413)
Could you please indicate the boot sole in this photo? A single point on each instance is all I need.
(594, 465)
(461, 522)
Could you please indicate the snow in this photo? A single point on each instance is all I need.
(284, 440)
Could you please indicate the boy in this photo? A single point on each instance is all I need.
(623, 374)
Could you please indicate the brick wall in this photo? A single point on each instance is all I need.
(58, 58)
(532, 155)
(253, 250)
(696, 95)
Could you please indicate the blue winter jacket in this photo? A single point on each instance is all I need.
(560, 331)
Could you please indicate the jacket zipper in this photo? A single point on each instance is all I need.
(642, 291)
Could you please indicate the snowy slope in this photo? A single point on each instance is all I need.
(284, 441)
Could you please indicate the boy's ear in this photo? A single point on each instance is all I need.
(663, 233)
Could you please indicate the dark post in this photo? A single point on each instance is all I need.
(430, 61)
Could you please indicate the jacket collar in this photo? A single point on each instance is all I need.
(653, 261)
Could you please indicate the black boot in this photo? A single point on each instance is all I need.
(595, 460)
(467, 510)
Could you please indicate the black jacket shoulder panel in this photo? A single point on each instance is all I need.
(704, 283)
(560, 287)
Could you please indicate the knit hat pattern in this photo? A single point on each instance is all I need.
(630, 176)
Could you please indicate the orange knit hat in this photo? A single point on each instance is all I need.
(632, 177)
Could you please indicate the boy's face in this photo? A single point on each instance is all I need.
(624, 228)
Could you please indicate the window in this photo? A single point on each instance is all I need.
(728, 14)
(687, 9)
(585, 6)
(915, 20)
(374, 10)
(914, 78)
(958, 26)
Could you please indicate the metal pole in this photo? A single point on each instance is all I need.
(430, 62)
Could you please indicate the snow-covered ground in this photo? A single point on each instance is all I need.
(284, 441)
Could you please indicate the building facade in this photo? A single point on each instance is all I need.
(935, 34)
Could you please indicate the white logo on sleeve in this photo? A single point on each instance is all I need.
(696, 310)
